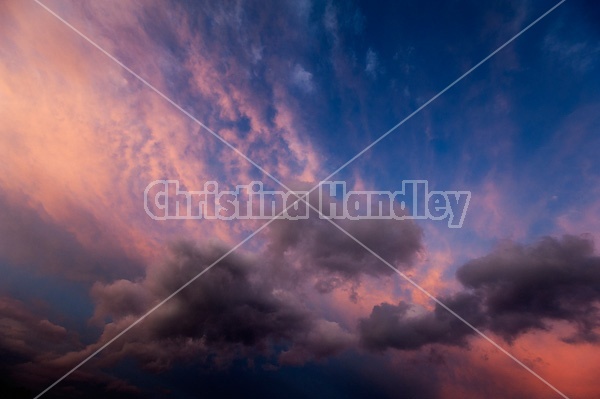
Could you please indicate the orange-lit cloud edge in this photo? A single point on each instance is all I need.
(81, 138)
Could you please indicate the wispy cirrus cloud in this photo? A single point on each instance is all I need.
(299, 87)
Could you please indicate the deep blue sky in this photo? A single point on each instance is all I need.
(300, 87)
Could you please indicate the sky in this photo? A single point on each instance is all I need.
(300, 309)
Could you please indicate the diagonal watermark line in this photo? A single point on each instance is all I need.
(158, 305)
(432, 99)
(302, 198)
(452, 312)
(161, 94)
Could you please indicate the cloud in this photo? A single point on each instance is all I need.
(32, 240)
(27, 337)
(318, 245)
(372, 63)
(325, 339)
(316, 248)
(240, 307)
(303, 79)
(80, 139)
(551, 280)
(247, 305)
(392, 326)
(99, 137)
(513, 290)
(25, 334)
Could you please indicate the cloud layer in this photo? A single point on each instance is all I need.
(300, 87)
(511, 291)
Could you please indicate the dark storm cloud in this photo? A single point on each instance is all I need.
(25, 333)
(231, 305)
(255, 305)
(513, 290)
(248, 306)
(239, 309)
(325, 252)
(394, 326)
(521, 286)
(236, 309)
(320, 246)
(27, 337)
